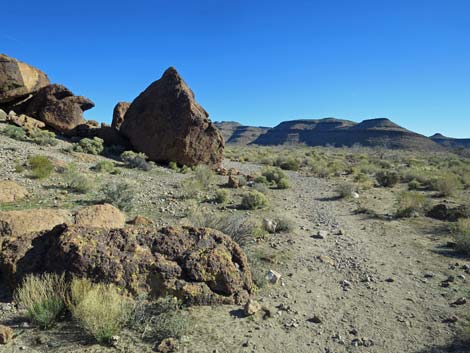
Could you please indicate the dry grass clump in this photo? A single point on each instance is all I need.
(222, 196)
(201, 180)
(41, 167)
(462, 235)
(411, 203)
(387, 178)
(76, 181)
(345, 190)
(101, 310)
(14, 132)
(446, 184)
(105, 167)
(42, 297)
(274, 176)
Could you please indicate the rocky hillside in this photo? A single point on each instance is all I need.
(450, 142)
(335, 132)
(238, 134)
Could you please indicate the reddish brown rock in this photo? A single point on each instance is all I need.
(197, 265)
(167, 124)
(233, 182)
(56, 106)
(119, 112)
(100, 216)
(18, 79)
(6, 334)
(26, 122)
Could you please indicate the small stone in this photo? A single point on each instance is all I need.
(273, 276)
(315, 319)
(389, 279)
(168, 345)
(460, 301)
(115, 340)
(327, 260)
(6, 334)
(321, 234)
(355, 195)
(451, 320)
(428, 275)
(251, 307)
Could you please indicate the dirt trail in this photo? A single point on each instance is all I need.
(370, 292)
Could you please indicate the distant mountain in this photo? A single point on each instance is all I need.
(329, 131)
(450, 141)
(238, 134)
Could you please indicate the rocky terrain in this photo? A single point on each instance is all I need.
(222, 249)
(237, 134)
(450, 142)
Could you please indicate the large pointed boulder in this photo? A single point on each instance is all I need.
(119, 112)
(167, 124)
(18, 79)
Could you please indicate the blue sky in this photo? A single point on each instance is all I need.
(260, 62)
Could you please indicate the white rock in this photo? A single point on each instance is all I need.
(273, 276)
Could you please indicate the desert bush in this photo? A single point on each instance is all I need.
(253, 200)
(135, 160)
(262, 188)
(242, 180)
(41, 167)
(119, 194)
(15, 132)
(157, 320)
(414, 185)
(105, 167)
(283, 183)
(77, 181)
(365, 181)
(284, 224)
(240, 228)
(387, 178)
(91, 146)
(446, 184)
(462, 235)
(276, 177)
(409, 203)
(204, 176)
(221, 196)
(42, 297)
(173, 165)
(261, 180)
(287, 163)
(43, 137)
(345, 190)
(101, 310)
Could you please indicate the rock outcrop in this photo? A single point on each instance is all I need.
(56, 106)
(24, 121)
(197, 265)
(100, 216)
(11, 191)
(119, 112)
(18, 79)
(167, 124)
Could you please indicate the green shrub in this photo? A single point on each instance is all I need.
(345, 190)
(105, 167)
(42, 297)
(77, 181)
(119, 194)
(262, 188)
(410, 203)
(135, 160)
(101, 310)
(173, 165)
(276, 177)
(387, 178)
(288, 163)
(414, 185)
(462, 235)
(284, 224)
(261, 180)
(43, 137)
(91, 146)
(446, 184)
(41, 167)
(222, 196)
(253, 200)
(204, 175)
(283, 183)
(15, 132)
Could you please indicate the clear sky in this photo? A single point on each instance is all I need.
(260, 62)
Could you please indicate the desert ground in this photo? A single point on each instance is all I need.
(360, 270)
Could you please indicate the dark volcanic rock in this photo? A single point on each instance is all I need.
(198, 265)
(167, 124)
(109, 135)
(237, 134)
(451, 214)
(18, 80)
(56, 106)
(119, 112)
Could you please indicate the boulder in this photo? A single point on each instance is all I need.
(25, 122)
(3, 116)
(109, 135)
(197, 265)
(451, 214)
(56, 106)
(11, 191)
(119, 112)
(167, 124)
(100, 216)
(18, 79)
(17, 223)
(251, 307)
